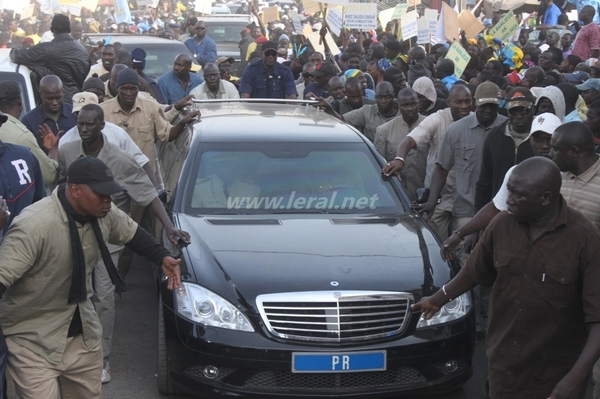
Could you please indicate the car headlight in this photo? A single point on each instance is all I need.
(453, 310)
(202, 306)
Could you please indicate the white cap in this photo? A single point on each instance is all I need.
(546, 123)
(82, 99)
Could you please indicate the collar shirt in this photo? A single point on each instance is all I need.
(205, 51)
(14, 132)
(544, 291)
(97, 69)
(226, 90)
(462, 149)
(145, 123)
(36, 254)
(126, 171)
(21, 182)
(572, 116)
(367, 119)
(260, 83)
(431, 132)
(582, 192)
(36, 117)
(114, 134)
(315, 89)
(172, 87)
(388, 138)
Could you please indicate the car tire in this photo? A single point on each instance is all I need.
(165, 385)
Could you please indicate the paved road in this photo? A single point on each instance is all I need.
(133, 361)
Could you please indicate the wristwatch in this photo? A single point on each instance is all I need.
(459, 234)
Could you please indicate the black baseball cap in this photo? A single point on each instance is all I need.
(94, 173)
(323, 69)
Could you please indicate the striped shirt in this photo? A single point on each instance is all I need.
(582, 192)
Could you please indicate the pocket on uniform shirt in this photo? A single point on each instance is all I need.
(504, 262)
(560, 281)
(465, 159)
(145, 133)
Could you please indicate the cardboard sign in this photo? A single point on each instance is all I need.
(450, 22)
(432, 18)
(307, 30)
(27, 11)
(314, 38)
(459, 56)
(423, 31)
(203, 6)
(311, 7)
(385, 16)
(335, 2)
(296, 21)
(413, 3)
(73, 7)
(270, 14)
(506, 27)
(361, 16)
(400, 10)
(334, 19)
(408, 22)
(471, 25)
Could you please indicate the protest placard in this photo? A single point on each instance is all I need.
(432, 17)
(408, 23)
(311, 7)
(450, 22)
(471, 25)
(423, 31)
(296, 21)
(334, 19)
(27, 11)
(400, 10)
(270, 14)
(459, 56)
(506, 27)
(361, 16)
(385, 16)
(314, 39)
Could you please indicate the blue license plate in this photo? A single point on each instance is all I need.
(338, 362)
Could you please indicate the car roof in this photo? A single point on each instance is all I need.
(127, 39)
(269, 122)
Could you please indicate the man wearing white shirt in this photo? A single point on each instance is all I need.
(213, 86)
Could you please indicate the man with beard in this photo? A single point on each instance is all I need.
(368, 118)
(178, 83)
(390, 134)
(214, 87)
(53, 110)
(354, 97)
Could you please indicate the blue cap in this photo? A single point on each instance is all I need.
(138, 57)
(577, 77)
(589, 84)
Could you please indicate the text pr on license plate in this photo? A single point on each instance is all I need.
(318, 362)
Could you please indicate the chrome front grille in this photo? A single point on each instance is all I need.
(335, 316)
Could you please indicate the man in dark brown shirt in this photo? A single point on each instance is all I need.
(542, 260)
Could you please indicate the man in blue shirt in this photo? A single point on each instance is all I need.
(177, 84)
(53, 111)
(266, 78)
(21, 181)
(320, 87)
(204, 48)
(552, 13)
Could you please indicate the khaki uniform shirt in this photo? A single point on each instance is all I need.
(367, 119)
(388, 138)
(126, 171)
(226, 90)
(209, 192)
(14, 132)
(37, 265)
(582, 192)
(145, 123)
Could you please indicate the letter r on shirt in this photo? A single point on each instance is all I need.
(22, 169)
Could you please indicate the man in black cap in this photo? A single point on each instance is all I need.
(320, 87)
(138, 64)
(96, 86)
(53, 334)
(266, 78)
(63, 57)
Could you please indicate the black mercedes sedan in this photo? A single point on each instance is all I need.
(303, 265)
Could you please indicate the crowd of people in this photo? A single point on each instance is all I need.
(466, 148)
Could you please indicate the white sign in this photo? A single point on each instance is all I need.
(423, 31)
(385, 16)
(432, 17)
(296, 21)
(361, 16)
(314, 39)
(335, 2)
(203, 6)
(408, 22)
(334, 20)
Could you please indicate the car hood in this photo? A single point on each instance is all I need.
(256, 256)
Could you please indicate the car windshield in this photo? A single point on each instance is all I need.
(274, 178)
(224, 31)
(159, 60)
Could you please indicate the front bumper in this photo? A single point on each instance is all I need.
(252, 366)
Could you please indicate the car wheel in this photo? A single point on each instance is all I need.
(165, 385)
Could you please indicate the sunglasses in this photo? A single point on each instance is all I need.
(307, 76)
(271, 53)
(519, 111)
(200, 28)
